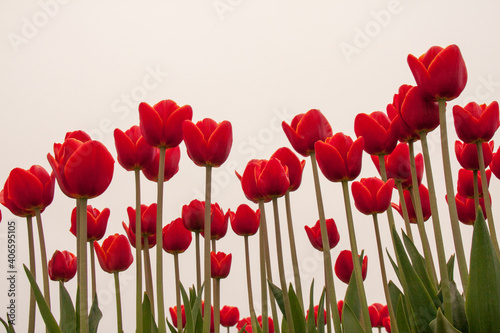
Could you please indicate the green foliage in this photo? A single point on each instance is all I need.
(8, 326)
(148, 320)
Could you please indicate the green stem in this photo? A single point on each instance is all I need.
(159, 244)
(405, 210)
(383, 174)
(43, 255)
(263, 280)
(327, 259)
(328, 308)
(450, 192)
(216, 305)
(207, 235)
(476, 190)
(198, 261)
(249, 283)
(82, 267)
(31, 246)
(92, 270)
(178, 292)
(118, 303)
(148, 275)
(138, 253)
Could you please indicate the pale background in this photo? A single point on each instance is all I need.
(68, 65)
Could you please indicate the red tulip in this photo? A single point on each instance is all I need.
(176, 238)
(340, 306)
(220, 264)
(229, 316)
(465, 183)
(476, 123)
(246, 221)
(441, 73)
(208, 143)
(82, 169)
(247, 322)
(344, 266)
(134, 153)
(494, 164)
(211, 315)
(339, 158)
(173, 314)
(249, 181)
(316, 310)
(374, 315)
(381, 312)
(377, 130)
(0, 216)
(424, 200)
(314, 234)
(193, 215)
(131, 237)
(148, 219)
(386, 322)
(27, 190)
(161, 125)
(305, 129)
(97, 222)
(403, 132)
(295, 166)
(419, 113)
(218, 222)
(172, 158)
(467, 154)
(115, 254)
(372, 195)
(62, 266)
(273, 180)
(466, 209)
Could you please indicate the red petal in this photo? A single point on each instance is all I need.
(197, 147)
(219, 144)
(151, 124)
(330, 162)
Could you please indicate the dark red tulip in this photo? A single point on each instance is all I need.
(372, 195)
(314, 234)
(208, 143)
(340, 307)
(381, 312)
(249, 181)
(82, 169)
(441, 73)
(465, 183)
(344, 267)
(305, 129)
(494, 164)
(134, 153)
(172, 158)
(294, 165)
(466, 209)
(229, 316)
(424, 200)
(148, 219)
(131, 237)
(161, 125)
(27, 190)
(377, 130)
(386, 322)
(193, 215)
(176, 238)
(273, 180)
(247, 322)
(115, 254)
(62, 266)
(219, 222)
(220, 264)
(467, 154)
(97, 222)
(0, 216)
(246, 221)
(316, 312)
(403, 132)
(476, 123)
(173, 315)
(419, 113)
(339, 158)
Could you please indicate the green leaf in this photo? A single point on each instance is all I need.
(442, 325)
(458, 308)
(350, 323)
(483, 294)
(48, 318)
(278, 295)
(242, 329)
(148, 321)
(311, 327)
(401, 318)
(321, 314)
(8, 326)
(95, 316)
(171, 328)
(299, 320)
(451, 266)
(190, 323)
(68, 314)
(394, 265)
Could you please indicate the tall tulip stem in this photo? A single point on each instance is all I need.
(253, 317)
(118, 303)
(208, 236)
(138, 252)
(383, 174)
(178, 292)
(148, 275)
(263, 280)
(159, 244)
(92, 270)
(198, 261)
(82, 263)
(404, 209)
(476, 189)
(31, 247)
(43, 255)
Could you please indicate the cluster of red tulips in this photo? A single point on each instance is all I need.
(84, 169)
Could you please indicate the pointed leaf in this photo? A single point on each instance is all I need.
(458, 305)
(321, 313)
(68, 314)
(148, 322)
(451, 267)
(350, 323)
(171, 328)
(299, 319)
(401, 318)
(189, 328)
(311, 327)
(278, 295)
(8, 327)
(442, 325)
(394, 265)
(95, 316)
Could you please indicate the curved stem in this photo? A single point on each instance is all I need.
(178, 292)
(31, 247)
(262, 255)
(208, 236)
(249, 283)
(405, 210)
(159, 244)
(148, 275)
(118, 303)
(198, 261)
(138, 253)
(92, 270)
(82, 267)
(43, 255)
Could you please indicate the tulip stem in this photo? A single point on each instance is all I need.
(31, 246)
(207, 236)
(178, 292)
(43, 255)
(476, 191)
(138, 252)
(253, 317)
(328, 309)
(148, 274)
(159, 243)
(92, 270)
(216, 305)
(327, 259)
(198, 261)
(293, 250)
(404, 209)
(365, 316)
(118, 303)
(450, 192)
(82, 267)
(263, 280)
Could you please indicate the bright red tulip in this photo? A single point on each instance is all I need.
(148, 219)
(161, 125)
(419, 113)
(377, 130)
(249, 181)
(344, 266)
(220, 264)
(424, 200)
(316, 313)
(465, 183)
(172, 158)
(115, 255)
(374, 315)
(441, 73)
(467, 154)
(494, 164)
(131, 237)
(246, 221)
(219, 222)
(134, 153)
(248, 322)
(381, 312)
(305, 129)
(208, 143)
(476, 123)
(193, 215)
(62, 266)
(403, 132)
(97, 222)
(173, 314)
(339, 158)
(314, 234)
(273, 180)
(229, 316)
(294, 165)
(466, 209)
(372, 195)
(27, 190)
(176, 238)
(386, 322)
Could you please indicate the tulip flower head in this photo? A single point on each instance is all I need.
(134, 153)
(246, 221)
(494, 164)
(316, 312)
(293, 164)
(193, 215)
(476, 123)
(403, 132)
(148, 225)
(465, 183)
(419, 113)
(219, 222)
(62, 266)
(467, 154)
(376, 128)
(372, 195)
(424, 200)
(172, 158)
(176, 238)
(344, 266)
(377, 313)
(466, 209)
(249, 181)
(314, 234)
(247, 323)
(97, 222)
(115, 255)
(229, 316)
(131, 237)
(173, 315)
(220, 264)
(273, 181)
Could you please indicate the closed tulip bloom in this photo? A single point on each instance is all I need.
(424, 200)
(247, 322)
(220, 264)
(374, 315)
(467, 154)
(340, 306)
(148, 219)
(316, 312)
(208, 143)
(273, 180)
(377, 130)
(403, 132)
(173, 315)
(97, 222)
(249, 181)
(229, 316)
(161, 125)
(115, 255)
(62, 266)
(131, 237)
(27, 190)
(176, 238)
(172, 158)
(218, 222)
(314, 234)
(419, 113)
(344, 266)
(381, 312)
(134, 153)
(193, 215)
(476, 123)
(466, 209)
(305, 129)
(494, 164)
(372, 195)
(339, 158)
(294, 165)
(246, 221)
(441, 73)
(387, 324)
(465, 183)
